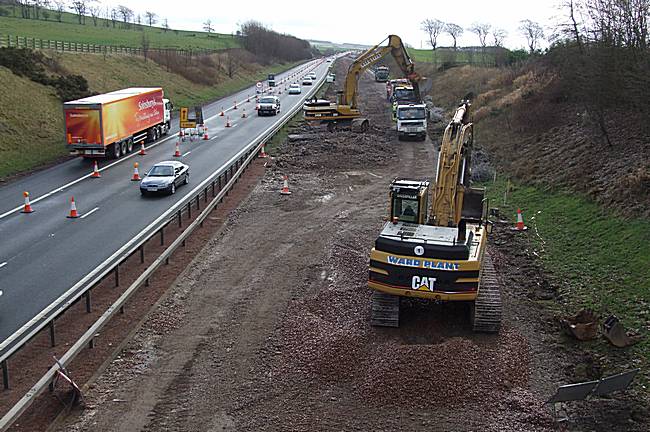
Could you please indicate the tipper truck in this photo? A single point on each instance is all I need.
(108, 125)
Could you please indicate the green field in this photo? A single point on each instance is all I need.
(596, 259)
(447, 55)
(70, 31)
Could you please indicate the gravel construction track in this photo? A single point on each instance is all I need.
(268, 328)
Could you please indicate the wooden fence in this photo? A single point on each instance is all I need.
(64, 46)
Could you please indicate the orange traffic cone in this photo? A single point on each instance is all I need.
(228, 121)
(73, 209)
(27, 208)
(205, 133)
(136, 174)
(243, 114)
(520, 222)
(177, 153)
(142, 151)
(257, 107)
(235, 105)
(248, 99)
(95, 173)
(221, 114)
(263, 153)
(285, 188)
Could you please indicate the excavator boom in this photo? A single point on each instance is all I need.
(345, 108)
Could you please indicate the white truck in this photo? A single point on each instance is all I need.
(411, 121)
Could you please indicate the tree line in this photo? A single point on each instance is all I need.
(601, 53)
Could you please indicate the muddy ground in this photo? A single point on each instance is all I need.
(268, 328)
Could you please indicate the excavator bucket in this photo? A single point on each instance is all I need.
(615, 333)
(583, 326)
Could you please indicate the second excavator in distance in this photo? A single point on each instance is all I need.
(345, 110)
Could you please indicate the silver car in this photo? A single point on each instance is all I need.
(295, 89)
(165, 177)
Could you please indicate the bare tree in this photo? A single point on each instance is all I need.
(145, 46)
(80, 7)
(232, 63)
(59, 8)
(165, 25)
(498, 36)
(115, 13)
(482, 30)
(455, 31)
(95, 10)
(433, 29)
(207, 26)
(533, 32)
(126, 14)
(138, 19)
(152, 18)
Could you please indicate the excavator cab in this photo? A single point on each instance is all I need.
(409, 201)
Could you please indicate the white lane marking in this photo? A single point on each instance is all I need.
(89, 213)
(74, 182)
(185, 154)
(3, 264)
(373, 174)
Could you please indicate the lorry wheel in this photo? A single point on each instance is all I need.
(129, 146)
(117, 152)
(123, 147)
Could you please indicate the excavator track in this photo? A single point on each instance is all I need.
(487, 306)
(385, 310)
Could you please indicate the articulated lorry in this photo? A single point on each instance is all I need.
(108, 125)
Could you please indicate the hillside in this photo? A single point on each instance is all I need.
(107, 33)
(31, 129)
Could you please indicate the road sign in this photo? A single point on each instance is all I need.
(258, 85)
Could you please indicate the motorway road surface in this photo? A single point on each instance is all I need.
(43, 254)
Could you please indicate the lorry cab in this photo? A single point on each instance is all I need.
(271, 80)
(411, 121)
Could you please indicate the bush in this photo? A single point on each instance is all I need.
(70, 87)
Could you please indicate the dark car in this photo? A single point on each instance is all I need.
(165, 177)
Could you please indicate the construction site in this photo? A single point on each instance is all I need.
(281, 234)
(269, 326)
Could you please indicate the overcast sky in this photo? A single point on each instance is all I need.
(364, 22)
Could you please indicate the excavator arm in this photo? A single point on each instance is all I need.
(396, 48)
(453, 173)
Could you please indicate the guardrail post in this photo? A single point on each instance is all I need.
(162, 236)
(189, 209)
(180, 218)
(142, 254)
(198, 201)
(52, 334)
(146, 282)
(5, 374)
(205, 194)
(88, 302)
(212, 189)
(117, 275)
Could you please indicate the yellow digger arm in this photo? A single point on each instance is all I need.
(397, 49)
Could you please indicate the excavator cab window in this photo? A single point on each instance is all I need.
(406, 209)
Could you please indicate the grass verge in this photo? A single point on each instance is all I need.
(595, 260)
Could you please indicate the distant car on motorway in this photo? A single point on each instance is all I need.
(307, 81)
(295, 89)
(312, 75)
(269, 105)
(165, 177)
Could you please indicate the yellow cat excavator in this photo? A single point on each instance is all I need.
(345, 110)
(438, 251)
